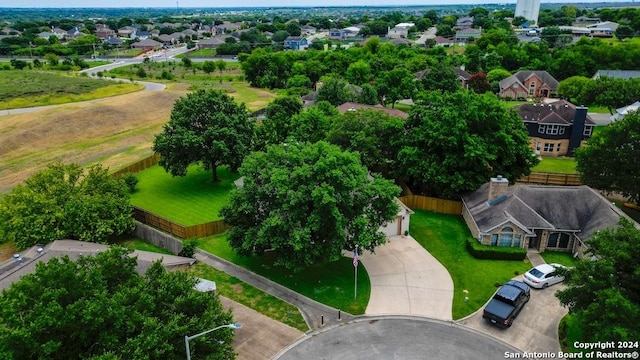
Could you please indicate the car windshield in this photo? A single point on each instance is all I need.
(535, 272)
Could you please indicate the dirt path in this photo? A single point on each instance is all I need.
(114, 131)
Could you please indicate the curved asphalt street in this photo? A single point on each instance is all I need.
(405, 338)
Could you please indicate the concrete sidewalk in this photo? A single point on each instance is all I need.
(407, 280)
(315, 314)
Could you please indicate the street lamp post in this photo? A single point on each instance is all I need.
(189, 338)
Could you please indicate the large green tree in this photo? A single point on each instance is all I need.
(454, 142)
(98, 307)
(206, 126)
(65, 201)
(609, 161)
(306, 203)
(604, 294)
(373, 134)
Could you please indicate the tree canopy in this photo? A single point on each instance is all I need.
(604, 294)
(609, 161)
(454, 142)
(208, 127)
(306, 203)
(98, 307)
(65, 201)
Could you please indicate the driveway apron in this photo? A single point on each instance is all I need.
(407, 280)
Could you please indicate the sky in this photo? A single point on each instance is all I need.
(252, 3)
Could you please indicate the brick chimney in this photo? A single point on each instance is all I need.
(577, 130)
(497, 186)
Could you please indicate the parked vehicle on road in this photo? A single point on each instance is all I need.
(542, 276)
(507, 303)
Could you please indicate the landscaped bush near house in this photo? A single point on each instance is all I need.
(481, 251)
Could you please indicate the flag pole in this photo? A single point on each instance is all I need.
(355, 280)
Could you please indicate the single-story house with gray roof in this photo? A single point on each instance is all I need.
(537, 217)
(25, 262)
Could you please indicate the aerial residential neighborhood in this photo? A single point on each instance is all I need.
(456, 181)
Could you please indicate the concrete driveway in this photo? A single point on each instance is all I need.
(536, 327)
(407, 280)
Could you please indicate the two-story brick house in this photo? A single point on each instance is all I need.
(527, 84)
(556, 129)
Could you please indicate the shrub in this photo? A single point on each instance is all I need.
(481, 251)
(131, 180)
(188, 248)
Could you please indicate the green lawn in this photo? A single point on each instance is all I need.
(26, 88)
(569, 332)
(557, 257)
(562, 165)
(189, 200)
(444, 237)
(231, 287)
(331, 284)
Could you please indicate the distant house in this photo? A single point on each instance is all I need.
(463, 76)
(126, 31)
(537, 217)
(103, 31)
(623, 111)
(337, 34)
(307, 30)
(464, 36)
(113, 41)
(442, 41)
(213, 42)
(296, 43)
(351, 31)
(74, 32)
(528, 83)
(587, 20)
(612, 26)
(167, 39)
(465, 22)
(147, 45)
(617, 74)
(400, 31)
(556, 129)
(350, 106)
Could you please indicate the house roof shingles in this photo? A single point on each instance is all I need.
(576, 209)
(558, 112)
(521, 76)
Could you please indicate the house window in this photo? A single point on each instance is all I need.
(587, 130)
(564, 241)
(555, 130)
(494, 239)
(532, 88)
(553, 240)
(558, 147)
(516, 240)
(548, 147)
(520, 94)
(542, 129)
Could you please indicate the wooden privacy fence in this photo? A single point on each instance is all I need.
(433, 204)
(181, 231)
(551, 179)
(139, 166)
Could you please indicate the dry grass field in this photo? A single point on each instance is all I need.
(114, 131)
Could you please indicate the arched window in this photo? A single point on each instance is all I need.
(506, 236)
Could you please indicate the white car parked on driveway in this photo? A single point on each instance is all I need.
(542, 276)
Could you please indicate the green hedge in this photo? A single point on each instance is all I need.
(480, 251)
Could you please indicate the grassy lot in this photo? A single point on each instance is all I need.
(189, 200)
(598, 109)
(557, 257)
(444, 237)
(508, 104)
(26, 88)
(562, 165)
(232, 288)
(252, 297)
(200, 53)
(331, 284)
